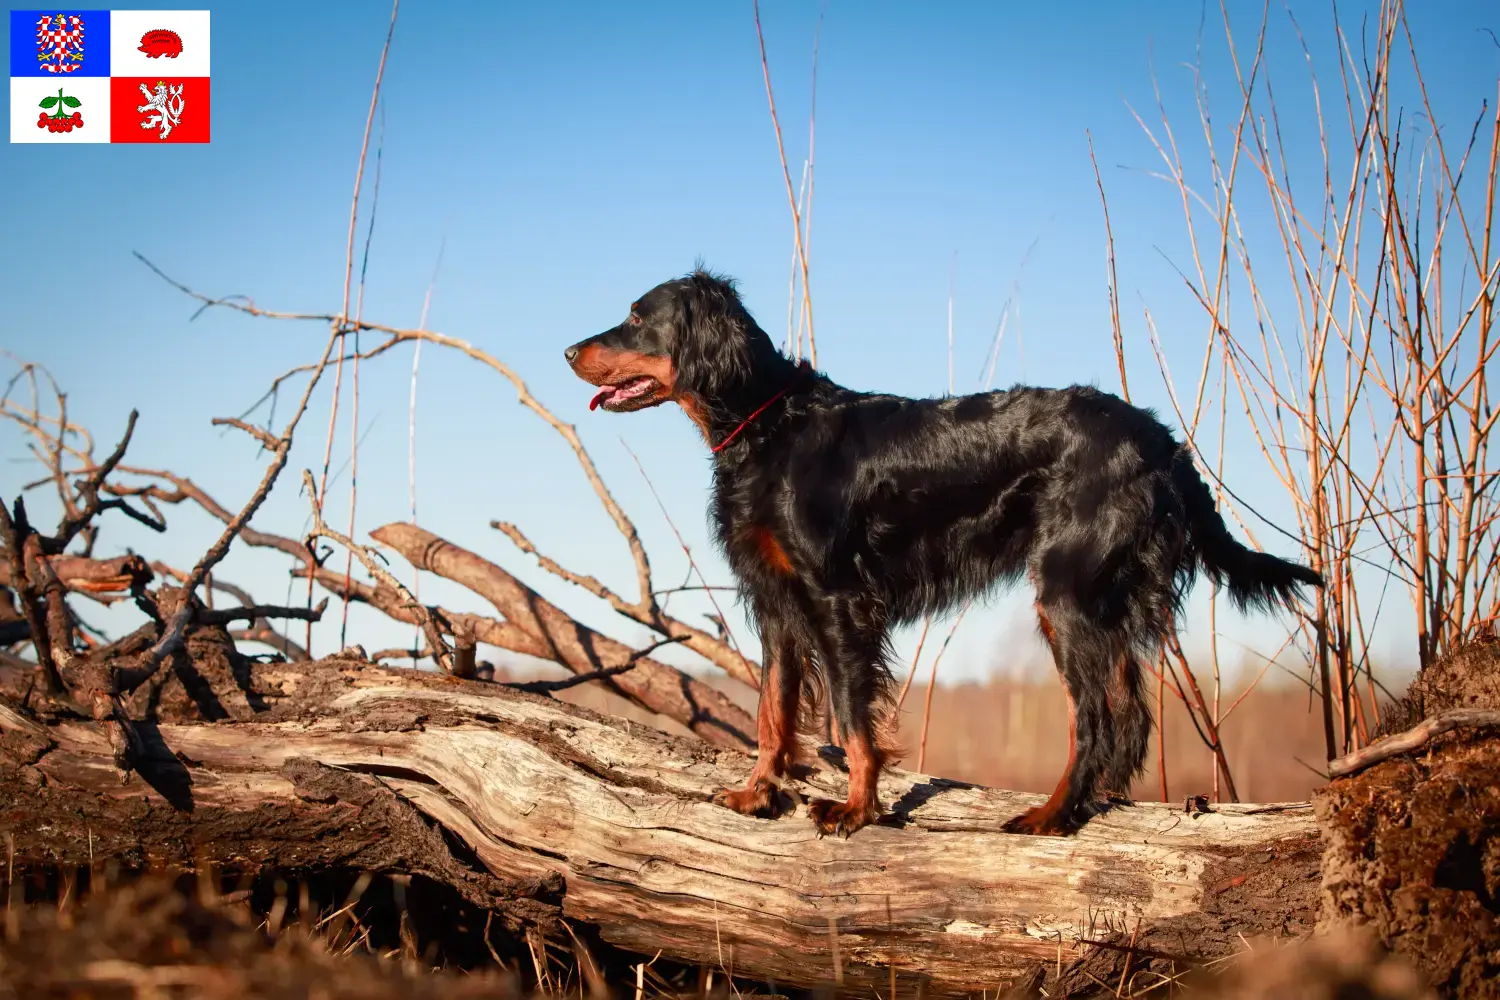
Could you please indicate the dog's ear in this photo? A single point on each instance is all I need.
(714, 351)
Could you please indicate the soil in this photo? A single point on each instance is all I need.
(1469, 677)
(1339, 966)
(1413, 844)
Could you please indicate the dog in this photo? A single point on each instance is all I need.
(844, 514)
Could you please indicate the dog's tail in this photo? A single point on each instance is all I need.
(1253, 579)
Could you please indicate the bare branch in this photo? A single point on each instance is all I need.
(443, 654)
(107, 701)
(265, 437)
(656, 686)
(645, 613)
(223, 616)
(267, 636)
(791, 193)
(1413, 739)
(89, 492)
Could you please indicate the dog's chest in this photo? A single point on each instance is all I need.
(755, 543)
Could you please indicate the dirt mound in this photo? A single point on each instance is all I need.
(1413, 844)
(1333, 967)
(1468, 677)
(150, 939)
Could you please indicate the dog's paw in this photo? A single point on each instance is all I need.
(840, 818)
(756, 799)
(1041, 822)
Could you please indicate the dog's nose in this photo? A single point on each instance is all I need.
(571, 353)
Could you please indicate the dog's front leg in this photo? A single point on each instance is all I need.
(862, 807)
(780, 689)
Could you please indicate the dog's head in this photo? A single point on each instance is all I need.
(689, 340)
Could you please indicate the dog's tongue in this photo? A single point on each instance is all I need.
(604, 394)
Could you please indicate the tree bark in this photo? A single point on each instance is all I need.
(538, 810)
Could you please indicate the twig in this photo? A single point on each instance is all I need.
(548, 687)
(75, 523)
(1132, 949)
(341, 324)
(649, 613)
(398, 653)
(411, 426)
(172, 634)
(915, 659)
(268, 636)
(359, 311)
(265, 437)
(791, 193)
(1416, 737)
(1113, 287)
(398, 335)
(224, 616)
(932, 684)
(442, 653)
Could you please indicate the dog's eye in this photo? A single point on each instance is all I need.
(632, 320)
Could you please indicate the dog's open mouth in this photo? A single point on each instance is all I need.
(616, 397)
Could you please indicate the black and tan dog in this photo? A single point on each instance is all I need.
(846, 513)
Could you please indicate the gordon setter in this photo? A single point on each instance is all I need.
(846, 513)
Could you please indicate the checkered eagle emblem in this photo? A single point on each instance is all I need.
(59, 43)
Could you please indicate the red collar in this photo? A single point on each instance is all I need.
(746, 422)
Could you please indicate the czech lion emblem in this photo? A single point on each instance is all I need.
(166, 104)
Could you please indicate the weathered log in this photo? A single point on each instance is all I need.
(567, 813)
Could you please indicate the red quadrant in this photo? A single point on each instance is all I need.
(191, 109)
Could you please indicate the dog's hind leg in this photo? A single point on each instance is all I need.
(1084, 655)
(1132, 727)
(776, 730)
(859, 682)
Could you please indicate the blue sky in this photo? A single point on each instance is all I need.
(568, 156)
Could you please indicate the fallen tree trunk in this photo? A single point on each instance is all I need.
(537, 810)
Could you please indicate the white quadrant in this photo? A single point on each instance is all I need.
(130, 29)
(28, 92)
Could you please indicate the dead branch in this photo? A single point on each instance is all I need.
(441, 652)
(389, 602)
(550, 687)
(268, 636)
(791, 192)
(80, 574)
(646, 612)
(173, 630)
(223, 616)
(73, 523)
(266, 438)
(396, 653)
(1413, 739)
(656, 686)
(260, 629)
(17, 535)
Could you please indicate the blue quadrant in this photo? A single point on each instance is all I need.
(64, 45)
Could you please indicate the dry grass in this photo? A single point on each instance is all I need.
(186, 939)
